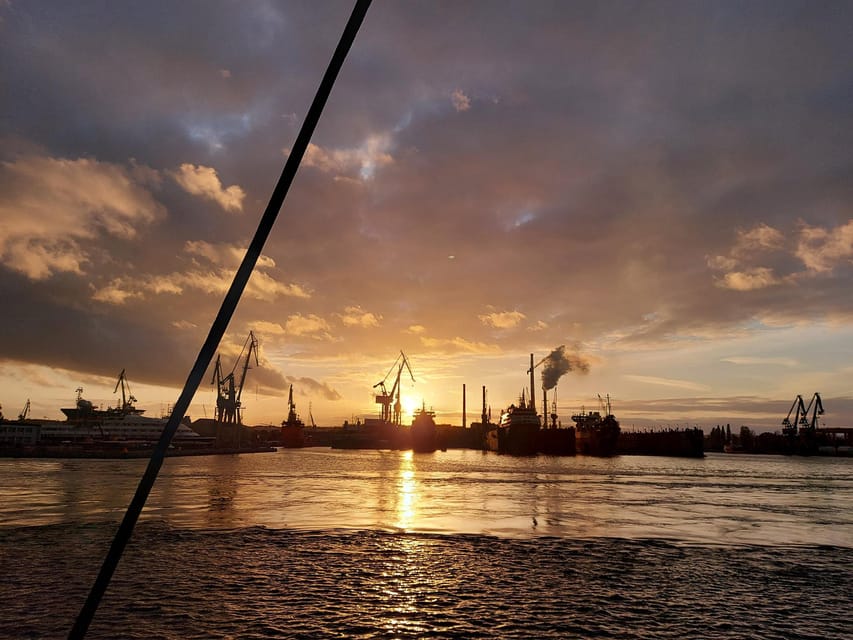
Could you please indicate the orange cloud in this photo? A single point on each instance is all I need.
(203, 181)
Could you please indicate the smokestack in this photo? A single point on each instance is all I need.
(464, 398)
(484, 418)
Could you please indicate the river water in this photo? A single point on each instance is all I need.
(321, 543)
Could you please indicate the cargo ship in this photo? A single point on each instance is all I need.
(596, 434)
(423, 431)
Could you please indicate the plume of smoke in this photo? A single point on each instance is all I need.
(559, 363)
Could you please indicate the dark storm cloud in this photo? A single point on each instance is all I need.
(591, 167)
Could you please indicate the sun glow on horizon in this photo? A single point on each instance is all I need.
(409, 404)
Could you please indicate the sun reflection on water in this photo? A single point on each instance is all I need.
(406, 493)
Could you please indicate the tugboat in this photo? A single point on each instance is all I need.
(292, 436)
(423, 431)
(596, 435)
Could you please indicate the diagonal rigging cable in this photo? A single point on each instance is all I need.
(220, 323)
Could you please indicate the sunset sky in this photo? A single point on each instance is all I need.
(665, 188)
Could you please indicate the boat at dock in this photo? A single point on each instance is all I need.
(292, 429)
(423, 431)
(124, 423)
(684, 443)
(596, 434)
(517, 433)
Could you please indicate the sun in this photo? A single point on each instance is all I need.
(410, 404)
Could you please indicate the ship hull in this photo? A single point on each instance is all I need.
(686, 443)
(518, 439)
(557, 442)
(292, 436)
(423, 432)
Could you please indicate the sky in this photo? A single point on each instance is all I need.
(663, 189)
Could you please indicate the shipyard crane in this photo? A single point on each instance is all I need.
(253, 350)
(127, 398)
(24, 413)
(799, 410)
(817, 403)
(386, 398)
(228, 389)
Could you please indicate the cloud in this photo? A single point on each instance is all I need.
(762, 236)
(458, 344)
(52, 208)
(757, 278)
(261, 286)
(315, 387)
(262, 327)
(748, 360)
(355, 316)
(822, 249)
(668, 382)
(203, 181)
(460, 101)
(363, 160)
(310, 325)
(416, 329)
(751, 245)
(502, 319)
(116, 293)
(224, 254)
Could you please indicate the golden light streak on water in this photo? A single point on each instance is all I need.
(407, 494)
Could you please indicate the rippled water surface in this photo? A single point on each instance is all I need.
(322, 543)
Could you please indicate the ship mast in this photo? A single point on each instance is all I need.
(532, 400)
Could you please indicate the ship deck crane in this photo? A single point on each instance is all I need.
(386, 398)
(127, 398)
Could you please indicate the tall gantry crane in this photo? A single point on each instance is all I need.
(798, 408)
(386, 398)
(816, 407)
(228, 388)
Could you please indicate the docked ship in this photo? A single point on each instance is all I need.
(125, 423)
(292, 429)
(554, 439)
(685, 443)
(423, 431)
(517, 432)
(596, 434)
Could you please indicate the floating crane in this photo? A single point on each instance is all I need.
(386, 398)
